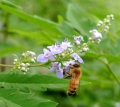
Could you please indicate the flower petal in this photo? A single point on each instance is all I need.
(59, 74)
(80, 60)
(41, 58)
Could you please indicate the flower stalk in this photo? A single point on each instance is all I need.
(60, 55)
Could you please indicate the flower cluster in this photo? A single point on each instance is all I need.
(104, 25)
(24, 61)
(62, 55)
(59, 53)
(95, 36)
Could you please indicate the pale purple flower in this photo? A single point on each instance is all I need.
(77, 57)
(56, 66)
(67, 67)
(46, 56)
(55, 49)
(95, 34)
(78, 39)
(65, 44)
(59, 74)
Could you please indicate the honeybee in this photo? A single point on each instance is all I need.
(74, 74)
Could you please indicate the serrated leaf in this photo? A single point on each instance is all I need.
(20, 99)
(36, 82)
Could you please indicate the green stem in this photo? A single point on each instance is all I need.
(3, 65)
(113, 74)
(77, 49)
(108, 67)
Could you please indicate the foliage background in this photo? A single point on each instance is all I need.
(34, 24)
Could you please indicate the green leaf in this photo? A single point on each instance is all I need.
(9, 4)
(36, 82)
(20, 99)
(67, 29)
(112, 58)
(92, 55)
(38, 36)
(43, 23)
(79, 19)
(40, 82)
(10, 49)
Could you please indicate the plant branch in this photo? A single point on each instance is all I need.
(3, 65)
(108, 67)
(113, 74)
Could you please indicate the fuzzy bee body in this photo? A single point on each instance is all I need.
(75, 74)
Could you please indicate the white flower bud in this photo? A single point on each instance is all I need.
(112, 16)
(22, 64)
(90, 38)
(23, 54)
(27, 69)
(107, 27)
(27, 64)
(23, 69)
(32, 60)
(18, 67)
(15, 60)
(85, 49)
(105, 30)
(98, 25)
(14, 63)
(35, 58)
(100, 22)
(99, 40)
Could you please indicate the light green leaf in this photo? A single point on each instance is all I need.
(10, 49)
(39, 36)
(79, 19)
(92, 55)
(43, 23)
(9, 4)
(112, 58)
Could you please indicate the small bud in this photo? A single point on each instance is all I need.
(15, 60)
(32, 60)
(22, 64)
(23, 69)
(14, 63)
(23, 54)
(18, 67)
(27, 64)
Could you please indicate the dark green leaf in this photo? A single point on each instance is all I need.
(20, 99)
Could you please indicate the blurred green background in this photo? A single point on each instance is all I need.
(65, 18)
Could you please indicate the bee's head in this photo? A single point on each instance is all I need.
(75, 65)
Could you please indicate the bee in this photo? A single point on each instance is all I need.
(74, 74)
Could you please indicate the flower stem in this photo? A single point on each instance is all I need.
(113, 74)
(110, 70)
(3, 65)
(77, 49)
(5, 35)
